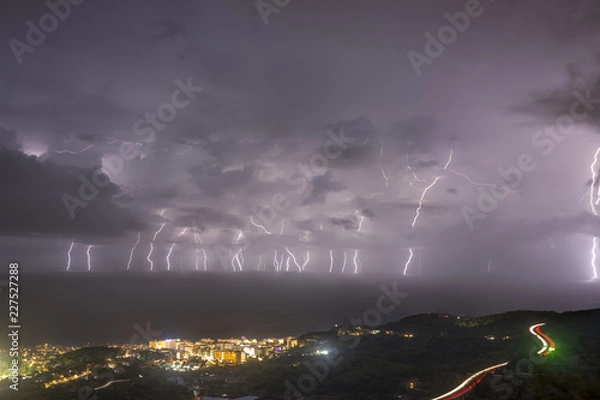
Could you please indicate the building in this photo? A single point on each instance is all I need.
(230, 357)
(291, 342)
(170, 344)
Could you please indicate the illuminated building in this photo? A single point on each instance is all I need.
(230, 357)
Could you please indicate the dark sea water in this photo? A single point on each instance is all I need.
(76, 308)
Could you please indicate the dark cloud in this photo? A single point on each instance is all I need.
(582, 82)
(8, 139)
(348, 224)
(270, 96)
(321, 186)
(33, 203)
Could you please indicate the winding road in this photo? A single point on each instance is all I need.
(473, 380)
(107, 384)
(547, 343)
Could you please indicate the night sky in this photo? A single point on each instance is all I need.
(206, 138)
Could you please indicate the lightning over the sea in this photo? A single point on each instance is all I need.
(260, 262)
(420, 206)
(238, 258)
(294, 259)
(132, 250)
(198, 240)
(69, 256)
(89, 257)
(173, 247)
(330, 261)
(418, 211)
(410, 257)
(278, 264)
(306, 261)
(152, 243)
(357, 263)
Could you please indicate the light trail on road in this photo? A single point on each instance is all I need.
(548, 344)
(469, 383)
(473, 380)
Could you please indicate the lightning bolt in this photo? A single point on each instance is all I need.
(594, 180)
(294, 259)
(345, 260)
(198, 240)
(113, 141)
(470, 180)
(248, 139)
(275, 261)
(260, 260)
(361, 219)
(507, 187)
(420, 206)
(242, 259)
(357, 262)
(259, 226)
(132, 250)
(435, 181)
(233, 261)
(74, 152)
(172, 248)
(383, 174)
(330, 261)
(281, 231)
(385, 177)
(180, 153)
(416, 178)
(449, 160)
(169, 256)
(595, 212)
(418, 211)
(239, 257)
(152, 242)
(69, 256)
(410, 257)
(489, 266)
(306, 260)
(89, 257)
